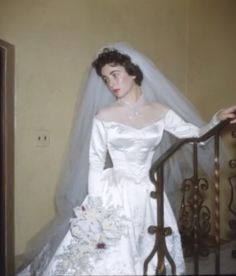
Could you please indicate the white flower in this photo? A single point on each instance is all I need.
(107, 225)
(95, 227)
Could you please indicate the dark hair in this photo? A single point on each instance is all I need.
(114, 57)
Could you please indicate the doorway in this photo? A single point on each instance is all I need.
(7, 64)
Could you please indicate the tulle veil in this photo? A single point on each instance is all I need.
(73, 181)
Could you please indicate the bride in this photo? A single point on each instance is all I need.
(107, 233)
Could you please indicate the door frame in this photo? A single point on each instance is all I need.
(7, 85)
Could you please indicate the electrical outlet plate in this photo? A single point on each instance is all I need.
(42, 138)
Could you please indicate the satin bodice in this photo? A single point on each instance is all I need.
(132, 149)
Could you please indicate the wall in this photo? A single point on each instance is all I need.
(190, 41)
(211, 72)
(212, 55)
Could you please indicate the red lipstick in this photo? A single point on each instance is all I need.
(116, 90)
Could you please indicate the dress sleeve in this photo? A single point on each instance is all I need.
(97, 156)
(182, 129)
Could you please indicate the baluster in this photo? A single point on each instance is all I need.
(161, 232)
(232, 181)
(160, 219)
(217, 203)
(195, 208)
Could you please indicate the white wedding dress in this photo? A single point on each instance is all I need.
(108, 235)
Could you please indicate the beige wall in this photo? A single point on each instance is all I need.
(212, 54)
(191, 41)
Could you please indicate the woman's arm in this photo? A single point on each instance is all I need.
(182, 129)
(97, 156)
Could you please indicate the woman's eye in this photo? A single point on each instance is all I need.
(105, 80)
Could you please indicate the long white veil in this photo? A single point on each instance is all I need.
(72, 186)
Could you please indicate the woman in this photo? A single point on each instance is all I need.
(108, 234)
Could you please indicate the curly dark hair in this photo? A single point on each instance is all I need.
(114, 57)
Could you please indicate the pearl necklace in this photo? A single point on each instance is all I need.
(133, 108)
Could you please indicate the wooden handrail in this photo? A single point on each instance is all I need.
(165, 156)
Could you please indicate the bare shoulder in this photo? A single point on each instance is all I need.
(106, 113)
(156, 106)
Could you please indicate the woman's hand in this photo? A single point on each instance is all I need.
(227, 113)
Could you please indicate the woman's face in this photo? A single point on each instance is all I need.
(118, 80)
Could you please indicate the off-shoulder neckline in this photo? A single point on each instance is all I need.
(132, 127)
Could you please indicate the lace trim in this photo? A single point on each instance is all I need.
(94, 229)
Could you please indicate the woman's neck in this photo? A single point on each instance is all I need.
(132, 97)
